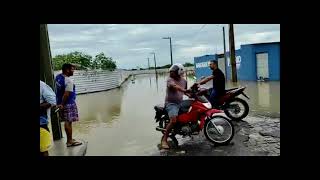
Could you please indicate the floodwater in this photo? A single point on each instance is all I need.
(120, 122)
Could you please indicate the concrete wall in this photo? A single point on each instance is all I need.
(99, 80)
(93, 81)
(246, 62)
(201, 65)
(166, 70)
(273, 51)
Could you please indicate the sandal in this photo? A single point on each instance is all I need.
(75, 143)
(165, 146)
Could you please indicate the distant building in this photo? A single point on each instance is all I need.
(253, 62)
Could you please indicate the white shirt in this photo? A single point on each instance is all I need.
(69, 84)
(47, 94)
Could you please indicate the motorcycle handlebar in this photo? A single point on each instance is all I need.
(194, 89)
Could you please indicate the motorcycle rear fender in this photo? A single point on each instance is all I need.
(245, 95)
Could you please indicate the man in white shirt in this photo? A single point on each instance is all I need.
(47, 100)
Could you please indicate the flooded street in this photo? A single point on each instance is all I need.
(121, 121)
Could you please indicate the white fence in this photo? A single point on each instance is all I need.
(99, 80)
(93, 81)
(158, 71)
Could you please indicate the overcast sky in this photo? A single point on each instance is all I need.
(130, 44)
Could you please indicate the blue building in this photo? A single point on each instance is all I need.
(253, 62)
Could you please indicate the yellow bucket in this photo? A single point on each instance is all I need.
(45, 140)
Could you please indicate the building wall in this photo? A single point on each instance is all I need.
(201, 65)
(246, 62)
(273, 51)
(238, 64)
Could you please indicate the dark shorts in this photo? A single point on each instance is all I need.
(70, 113)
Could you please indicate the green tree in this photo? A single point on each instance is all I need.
(58, 61)
(103, 62)
(188, 64)
(96, 62)
(166, 66)
(82, 60)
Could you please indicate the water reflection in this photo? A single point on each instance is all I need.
(98, 108)
(133, 78)
(157, 82)
(264, 94)
(150, 80)
(264, 97)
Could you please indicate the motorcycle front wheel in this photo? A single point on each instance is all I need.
(237, 109)
(219, 130)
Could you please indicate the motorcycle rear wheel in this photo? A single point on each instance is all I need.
(233, 113)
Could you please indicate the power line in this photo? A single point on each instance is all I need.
(199, 31)
(194, 37)
(196, 34)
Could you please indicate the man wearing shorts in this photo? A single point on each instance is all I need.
(66, 100)
(176, 87)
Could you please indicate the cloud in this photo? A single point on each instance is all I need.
(261, 37)
(71, 38)
(141, 49)
(138, 31)
(195, 50)
(130, 44)
(92, 31)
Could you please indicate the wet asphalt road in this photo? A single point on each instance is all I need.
(258, 138)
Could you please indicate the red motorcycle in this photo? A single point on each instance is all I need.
(233, 106)
(196, 114)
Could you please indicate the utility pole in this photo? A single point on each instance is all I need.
(47, 76)
(170, 48)
(148, 64)
(225, 54)
(155, 62)
(232, 53)
(171, 52)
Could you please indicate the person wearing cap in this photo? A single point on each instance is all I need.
(176, 88)
(218, 82)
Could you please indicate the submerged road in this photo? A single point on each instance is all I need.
(120, 122)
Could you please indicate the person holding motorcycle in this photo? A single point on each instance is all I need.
(218, 80)
(176, 88)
